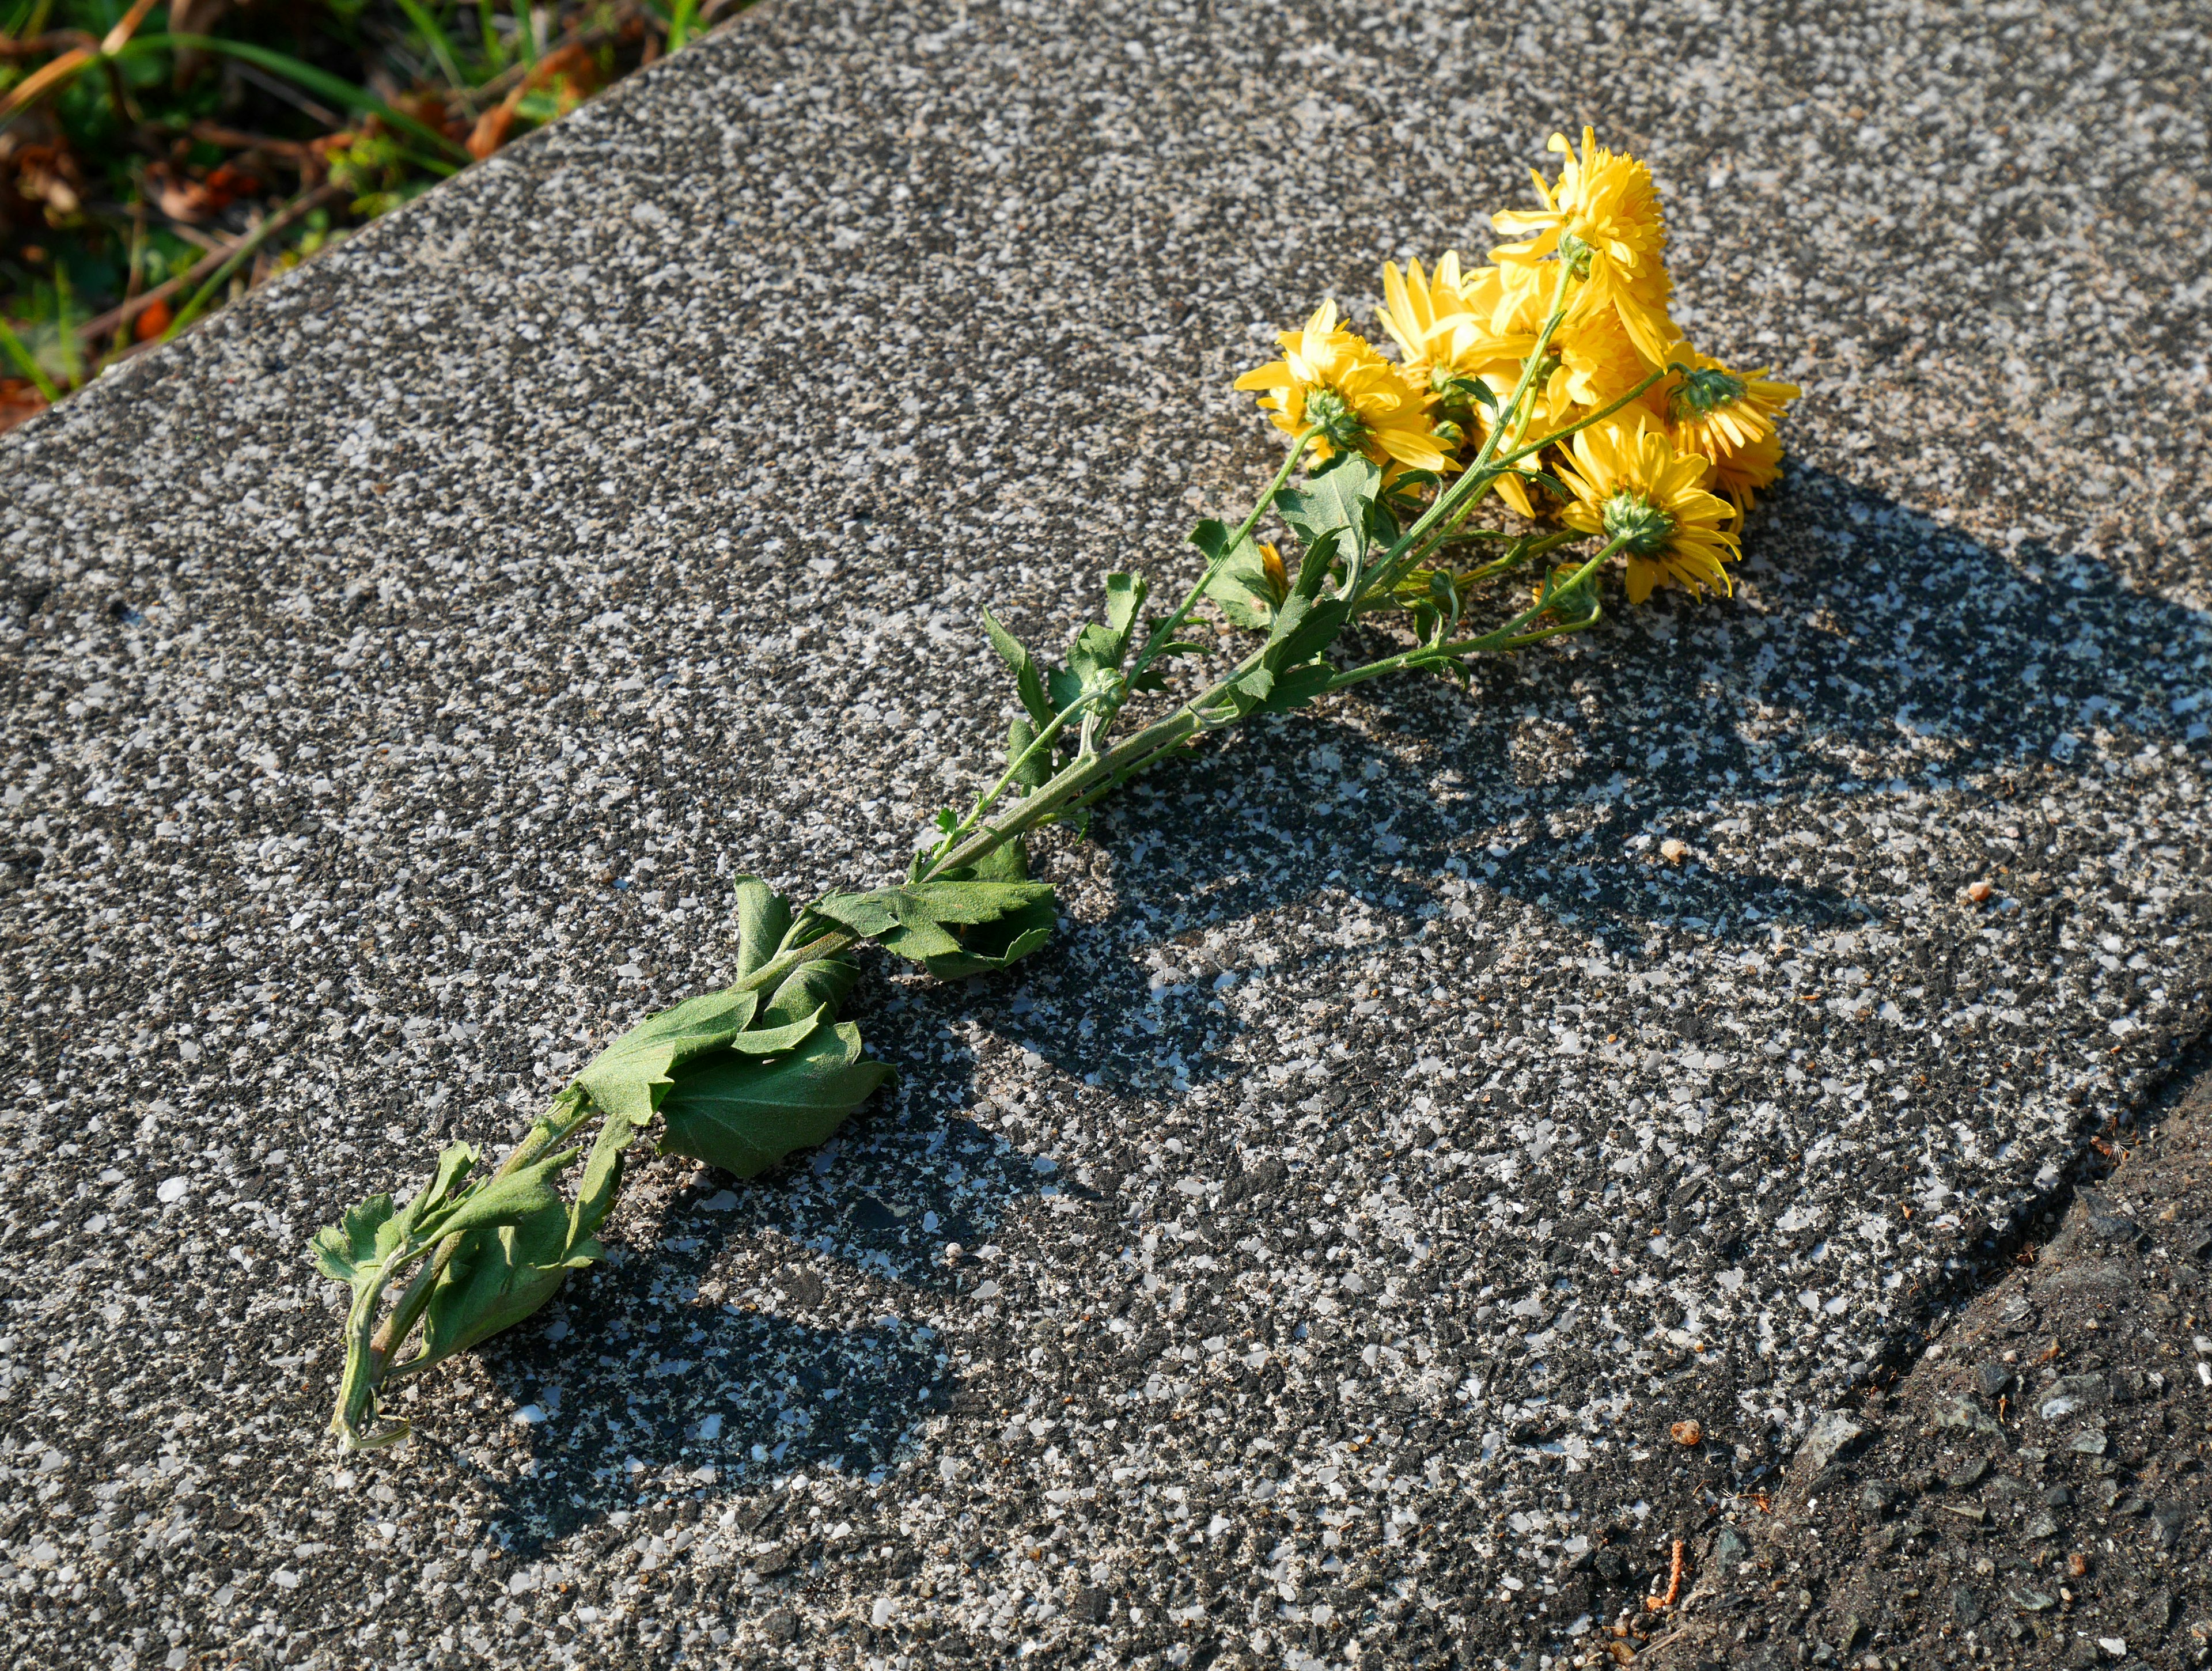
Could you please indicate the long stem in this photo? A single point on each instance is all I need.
(1163, 635)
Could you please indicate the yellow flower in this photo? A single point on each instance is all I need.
(1728, 416)
(1603, 218)
(1330, 378)
(1631, 485)
(1715, 410)
(1600, 362)
(1755, 464)
(1451, 325)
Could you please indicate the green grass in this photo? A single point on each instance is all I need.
(157, 162)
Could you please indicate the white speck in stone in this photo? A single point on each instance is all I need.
(710, 1427)
(929, 1223)
(530, 1415)
(172, 1189)
(880, 1614)
(722, 1200)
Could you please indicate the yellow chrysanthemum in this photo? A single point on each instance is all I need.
(1629, 484)
(1604, 211)
(1712, 407)
(1451, 326)
(1756, 464)
(1330, 378)
(1599, 363)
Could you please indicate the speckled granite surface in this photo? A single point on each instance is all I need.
(396, 672)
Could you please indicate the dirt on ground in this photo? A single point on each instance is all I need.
(2032, 1491)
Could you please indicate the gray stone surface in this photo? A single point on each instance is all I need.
(397, 671)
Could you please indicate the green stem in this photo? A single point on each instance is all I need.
(1163, 635)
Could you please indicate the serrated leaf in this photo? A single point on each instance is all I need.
(1336, 499)
(744, 1115)
(625, 1080)
(342, 1249)
(764, 920)
(1029, 683)
(1125, 596)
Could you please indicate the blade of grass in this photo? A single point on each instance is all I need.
(306, 76)
(14, 347)
(64, 304)
(241, 251)
(679, 23)
(440, 45)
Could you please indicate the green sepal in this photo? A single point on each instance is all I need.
(745, 1113)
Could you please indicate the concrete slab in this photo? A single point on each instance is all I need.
(397, 671)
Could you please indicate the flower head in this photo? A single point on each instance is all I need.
(1331, 379)
(1728, 416)
(1632, 486)
(1712, 403)
(1453, 325)
(1603, 219)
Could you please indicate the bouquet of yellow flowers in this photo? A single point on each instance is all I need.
(1554, 380)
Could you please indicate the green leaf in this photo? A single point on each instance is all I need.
(1029, 684)
(501, 1201)
(1066, 688)
(994, 946)
(745, 1113)
(497, 1278)
(625, 1080)
(1244, 589)
(1096, 652)
(763, 920)
(1036, 772)
(1009, 861)
(1298, 686)
(1211, 537)
(454, 1163)
(918, 922)
(342, 1249)
(1125, 596)
(1337, 499)
(819, 986)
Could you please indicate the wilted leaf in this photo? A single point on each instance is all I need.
(745, 1113)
